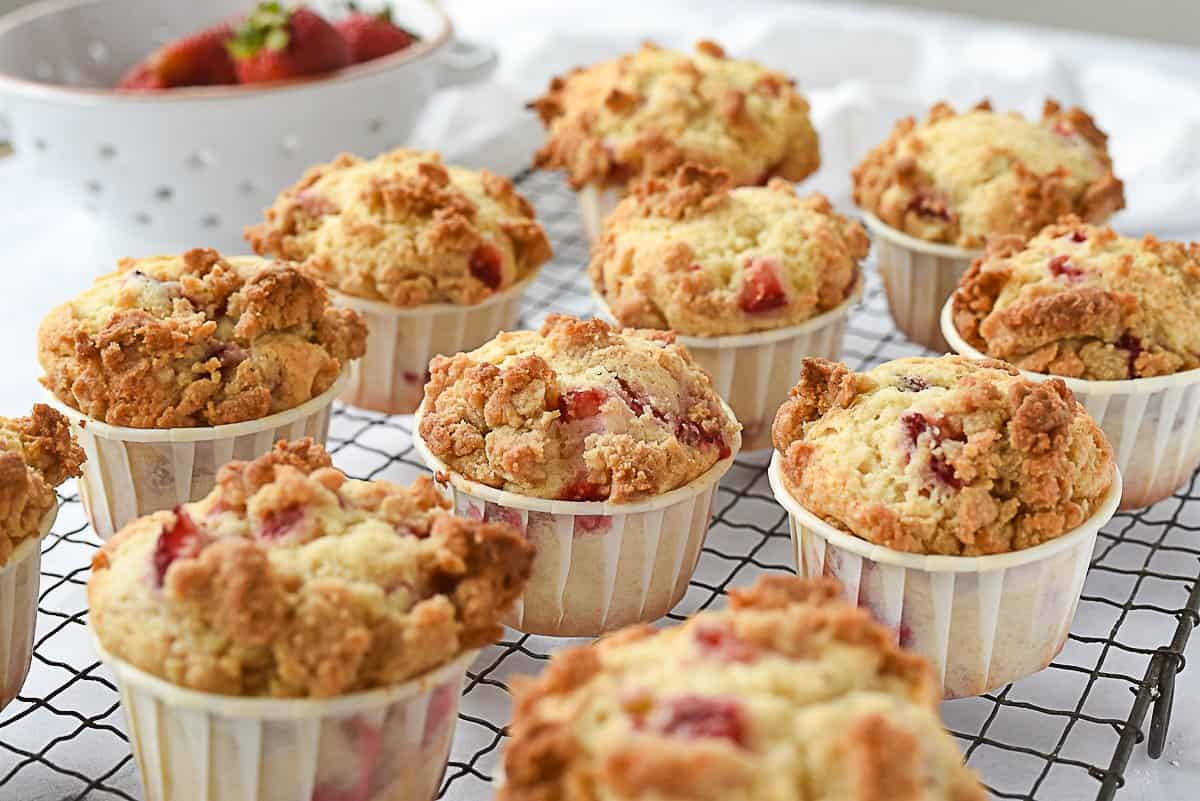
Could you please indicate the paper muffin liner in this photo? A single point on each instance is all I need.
(1152, 423)
(983, 621)
(596, 203)
(391, 377)
(20, 579)
(599, 566)
(390, 744)
(918, 277)
(131, 472)
(753, 373)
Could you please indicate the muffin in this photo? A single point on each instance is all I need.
(295, 606)
(431, 254)
(714, 262)
(947, 489)
(37, 454)
(957, 179)
(237, 351)
(788, 694)
(1079, 301)
(649, 112)
(603, 445)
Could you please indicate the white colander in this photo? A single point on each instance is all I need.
(194, 166)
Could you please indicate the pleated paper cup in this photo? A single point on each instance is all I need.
(918, 277)
(753, 373)
(983, 621)
(390, 744)
(599, 566)
(596, 203)
(391, 377)
(131, 472)
(19, 582)
(1152, 423)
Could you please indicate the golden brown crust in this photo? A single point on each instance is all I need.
(694, 254)
(649, 112)
(695, 712)
(1080, 301)
(576, 411)
(943, 456)
(958, 178)
(406, 229)
(37, 453)
(291, 580)
(196, 340)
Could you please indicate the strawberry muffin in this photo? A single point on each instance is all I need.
(293, 600)
(173, 364)
(434, 256)
(934, 192)
(604, 445)
(714, 263)
(648, 113)
(37, 454)
(1111, 313)
(947, 457)
(789, 694)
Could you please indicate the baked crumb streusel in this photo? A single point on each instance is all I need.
(957, 178)
(792, 694)
(37, 454)
(942, 455)
(1077, 300)
(290, 579)
(649, 112)
(577, 411)
(406, 229)
(196, 340)
(696, 255)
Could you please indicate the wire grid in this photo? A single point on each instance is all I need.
(1064, 733)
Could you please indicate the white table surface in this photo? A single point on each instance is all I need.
(1146, 96)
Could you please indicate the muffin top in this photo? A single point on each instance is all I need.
(649, 112)
(941, 455)
(1080, 301)
(790, 695)
(961, 177)
(196, 340)
(291, 580)
(578, 411)
(698, 256)
(37, 454)
(405, 229)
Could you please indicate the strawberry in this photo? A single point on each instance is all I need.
(197, 60)
(181, 540)
(487, 265)
(372, 36)
(699, 717)
(580, 404)
(274, 44)
(762, 291)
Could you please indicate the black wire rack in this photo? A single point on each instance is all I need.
(1068, 732)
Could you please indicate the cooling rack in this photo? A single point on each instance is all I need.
(1065, 733)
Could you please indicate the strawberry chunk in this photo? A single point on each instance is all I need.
(697, 717)
(580, 404)
(372, 36)
(1060, 266)
(182, 539)
(1077, 236)
(582, 489)
(723, 645)
(915, 424)
(761, 291)
(275, 44)
(487, 265)
(1133, 345)
(280, 522)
